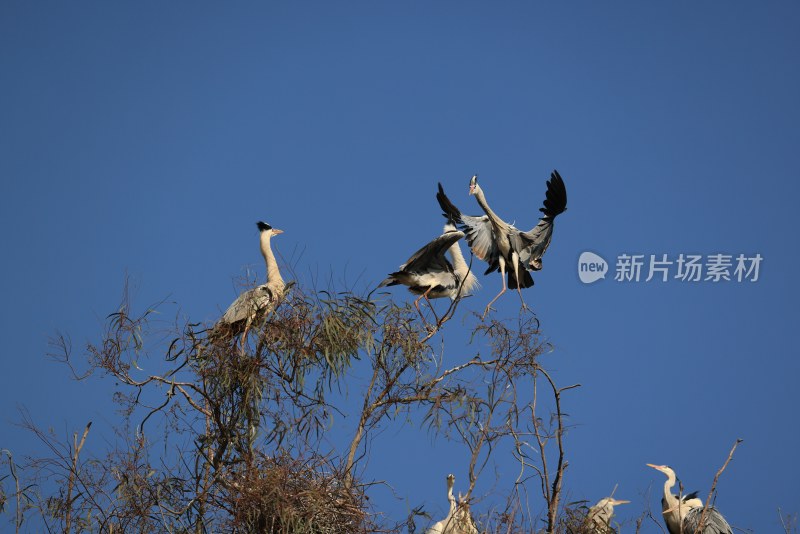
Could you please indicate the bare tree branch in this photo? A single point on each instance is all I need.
(714, 483)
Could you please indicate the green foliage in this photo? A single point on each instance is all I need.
(245, 415)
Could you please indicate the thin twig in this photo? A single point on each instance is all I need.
(714, 484)
(552, 506)
(787, 528)
(18, 495)
(73, 474)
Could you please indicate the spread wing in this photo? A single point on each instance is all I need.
(428, 260)
(431, 257)
(555, 201)
(478, 230)
(534, 243)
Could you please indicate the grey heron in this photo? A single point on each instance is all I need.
(429, 274)
(682, 514)
(599, 516)
(256, 302)
(458, 519)
(500, 244)
(444, 526)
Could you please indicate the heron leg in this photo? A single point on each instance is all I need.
(247, 324)
(503, 278)
(244, 337)
(416, 305)
(515, 260)
(436, 317)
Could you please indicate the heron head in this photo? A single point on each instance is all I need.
(264, 227)
(667, 470)
(473, 184)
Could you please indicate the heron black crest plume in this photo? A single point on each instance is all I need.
(262, 226)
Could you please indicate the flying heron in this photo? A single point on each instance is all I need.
(500, 244)
(429, 274)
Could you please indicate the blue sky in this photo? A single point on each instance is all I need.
(147, 139)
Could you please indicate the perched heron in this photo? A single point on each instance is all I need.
(458, 519)
(682, 514)
(444, 526)
(599, 516)
(430, 275)
(500, 244)
(255, 303)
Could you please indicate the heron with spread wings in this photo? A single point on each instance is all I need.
(500, 244)
(429, 274)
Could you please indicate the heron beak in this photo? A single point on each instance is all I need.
(276, 231)
(616, 502)
(472, 184)
(668, 510)
(658, 467)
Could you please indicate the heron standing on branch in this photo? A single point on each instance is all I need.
(500, 244)
(682, 513)
(254, 303)
(458, 520)
(599, 515)
(448, 523)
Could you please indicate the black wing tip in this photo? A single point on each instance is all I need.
(449, 210)
(388, 282)
(263, 227)
(555, 201)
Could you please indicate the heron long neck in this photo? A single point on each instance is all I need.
(466, 278)
(273, 274)
(672, 519)
(668, 485)
(496, 221)
(451, 498)
(459, 264)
